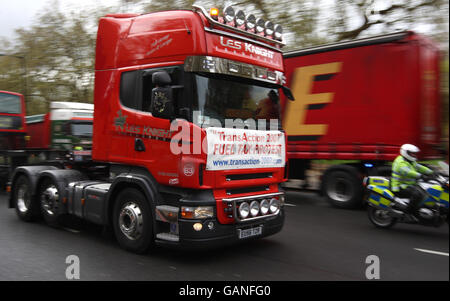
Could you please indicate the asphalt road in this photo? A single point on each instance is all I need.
(318, 242)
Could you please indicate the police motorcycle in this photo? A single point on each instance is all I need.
(385, 209)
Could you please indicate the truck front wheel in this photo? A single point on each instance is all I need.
(343, 188)
(132, 221)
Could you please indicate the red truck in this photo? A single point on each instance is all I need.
(67, 127)
(167, 166)
(64, 133)
(360, 101)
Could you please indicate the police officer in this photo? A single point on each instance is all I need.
(405, 173)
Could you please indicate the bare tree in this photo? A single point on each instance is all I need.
(394, 15)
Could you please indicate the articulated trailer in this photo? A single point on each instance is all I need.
(167, 166)
(356, 102)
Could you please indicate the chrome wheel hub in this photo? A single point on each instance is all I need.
(23, 198)
(49, 199)
(131, 221)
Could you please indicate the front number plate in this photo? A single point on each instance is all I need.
(246, 233)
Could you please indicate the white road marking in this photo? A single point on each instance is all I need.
(290, 205)
(431, 252)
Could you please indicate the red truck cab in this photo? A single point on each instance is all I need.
(187, 149)
(209, 63)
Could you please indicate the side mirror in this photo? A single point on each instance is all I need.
(162, 102)
(161, 78)
(288, 93)
(162, 96)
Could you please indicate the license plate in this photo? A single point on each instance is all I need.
(246, 233)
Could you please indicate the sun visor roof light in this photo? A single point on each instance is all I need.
(259, 25)
(228, 14)
(250, 22)
(239, 19)
(268, 28)
(278, 32)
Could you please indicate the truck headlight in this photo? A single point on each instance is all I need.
(239, 18)
(254, 208)
(244, 210)
(268, 28)
(250, 22)
(278, 32)
(264, 207)
(274, 205)
(260, 25)
(228, 14)
(200, 212)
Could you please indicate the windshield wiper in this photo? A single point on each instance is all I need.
(287, 92)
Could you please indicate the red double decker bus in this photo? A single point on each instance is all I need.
(12, 121)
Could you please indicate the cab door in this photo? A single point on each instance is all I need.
(152, 145)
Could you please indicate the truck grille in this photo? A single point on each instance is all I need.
(249, 176)
(247, 190)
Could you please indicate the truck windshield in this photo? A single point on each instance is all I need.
(225, 98)
(10, 104)
(82, 129)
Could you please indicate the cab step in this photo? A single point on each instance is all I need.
(168, 237)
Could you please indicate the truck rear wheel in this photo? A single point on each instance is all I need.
(26, 208)
(132, 221)
(343, 188)
(50, 201)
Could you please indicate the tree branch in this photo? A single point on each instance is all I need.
(353, 34)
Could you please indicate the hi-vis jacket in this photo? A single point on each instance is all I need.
(405, 173)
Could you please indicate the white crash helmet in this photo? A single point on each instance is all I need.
(409, 152)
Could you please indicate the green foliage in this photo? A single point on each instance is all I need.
(58, 59)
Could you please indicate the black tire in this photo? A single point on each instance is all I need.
(132, 221)
(27, 208)
(380, 218)
(50, 200)
(343, 188)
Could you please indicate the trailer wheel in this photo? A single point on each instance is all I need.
(26, 208)
(132, 221)
(343, 188)
(50, 201)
